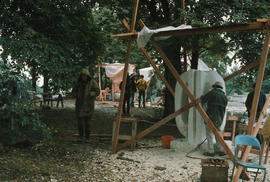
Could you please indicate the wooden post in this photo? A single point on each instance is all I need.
(184, 46)
(244, 69)
(117, 126)
(255, 100)
(99, 77)
(152, 63)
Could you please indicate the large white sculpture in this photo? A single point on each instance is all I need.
(190, 123)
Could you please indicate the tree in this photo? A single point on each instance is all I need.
(18, 115)
(52, 38)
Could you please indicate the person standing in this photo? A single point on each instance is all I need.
(261, 102)
(214, 102)
(85, 91)
(141, 86)
(248, 103)
(126, 96)
(133, 89)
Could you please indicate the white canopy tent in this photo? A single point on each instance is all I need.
(115, 71)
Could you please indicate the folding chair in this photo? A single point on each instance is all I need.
(246, 140)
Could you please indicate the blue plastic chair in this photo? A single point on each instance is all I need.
(247, 140)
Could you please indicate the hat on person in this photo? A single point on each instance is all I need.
(218, 84)
(85, 71)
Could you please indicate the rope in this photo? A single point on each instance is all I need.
(188, 154)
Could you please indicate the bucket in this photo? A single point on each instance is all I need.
(166, 141)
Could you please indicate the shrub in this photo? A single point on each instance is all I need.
(18, 115)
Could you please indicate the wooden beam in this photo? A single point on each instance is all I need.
(114, 64)
(126, 24)
(184, 46)
(152, 62)
(117, 125)
(218, 29)
(132, 35)
(255, 99)
(158, 72)
(263, 113)
(99, 78)
(159, 124)
(120, 106)
(262, 20)
(201, 30)
(258, 83)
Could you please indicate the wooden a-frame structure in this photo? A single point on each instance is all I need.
(260, 25)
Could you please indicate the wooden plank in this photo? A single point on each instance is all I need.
(132, 35)
(152, 63)
(263, 113)
(125, 23)
(258, 83)
(114, 64)
(158, 124)
(255, 101)
(117, 127)
(99, 78)
(267, 153)
(158, 72)
(262, 20)
(119, 113)
(201, 30)
(244, 69)
(218, 29)
(184, 46)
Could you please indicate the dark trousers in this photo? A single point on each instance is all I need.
(132, 99)
(84, 127)
(141, 95)
(126, 102)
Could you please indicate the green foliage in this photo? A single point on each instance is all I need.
(108, 17)
(54, 38)
(18, 115)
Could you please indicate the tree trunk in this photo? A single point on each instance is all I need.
(34, 78)
(46, 83)
(195, 53)
(171, 48)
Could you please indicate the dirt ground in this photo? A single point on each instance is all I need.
(63, 158)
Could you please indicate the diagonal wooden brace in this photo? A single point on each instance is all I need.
(152, 63)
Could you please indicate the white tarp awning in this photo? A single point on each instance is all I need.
(145, 34)
(147, 73)
(115, 71)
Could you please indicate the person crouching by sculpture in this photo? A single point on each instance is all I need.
(214, 102)
(85, 91)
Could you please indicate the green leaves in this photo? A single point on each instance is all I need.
(52, 35)
(18, 115)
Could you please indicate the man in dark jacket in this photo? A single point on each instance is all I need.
(86, 90)
(214, 102)
(126, 96)
(248, 103)
(133, 89)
